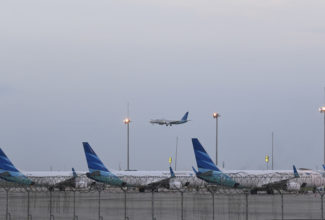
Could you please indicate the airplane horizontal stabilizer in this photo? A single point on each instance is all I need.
(5, 174)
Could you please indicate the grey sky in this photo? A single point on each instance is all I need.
(68, 69)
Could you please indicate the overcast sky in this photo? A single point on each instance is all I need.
(69, 68)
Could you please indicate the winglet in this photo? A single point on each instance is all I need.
(172, 174)
(295, 172)
(74, 172)
(195, 171)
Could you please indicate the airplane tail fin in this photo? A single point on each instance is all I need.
(10, 173)
(203, 160)
(295, 172)
(185, 117)
(5, 163)
(74, 173)
(93, 161)
(324, 166)
(172, 174)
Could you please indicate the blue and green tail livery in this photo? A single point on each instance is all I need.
(203, 160)
(185, 117)
(172, 174)
(74, 174)
(295, 172)
(97, 170)
(10, 173)
(207, 170)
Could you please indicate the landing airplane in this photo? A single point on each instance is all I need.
(170, 122)
(99, 173)
(11, 174)
(210, 173)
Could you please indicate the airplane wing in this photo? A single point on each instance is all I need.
(164, 122)
(70, 182)
(160, 183)
(281, 184)
(158, 121)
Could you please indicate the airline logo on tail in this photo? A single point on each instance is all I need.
(207, 170)
(97, 170)
(185, 117)
(10, 173)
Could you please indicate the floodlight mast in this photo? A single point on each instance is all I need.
(127, 122)
(216, 116)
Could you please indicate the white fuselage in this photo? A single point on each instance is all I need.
(246, 178)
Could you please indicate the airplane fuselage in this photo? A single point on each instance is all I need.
(218, 178)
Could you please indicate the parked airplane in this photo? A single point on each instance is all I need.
(99, 173)
(253, 180)
(170, 122)
(207, 170)
(70, 182)
(10, 173)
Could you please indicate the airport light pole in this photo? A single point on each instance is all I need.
(272, 149)
(322, 110)
(127, 122)
(216, 116)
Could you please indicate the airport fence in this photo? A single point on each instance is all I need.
(114, 203)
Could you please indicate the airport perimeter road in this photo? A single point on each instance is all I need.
(162, 205)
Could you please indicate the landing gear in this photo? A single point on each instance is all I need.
(314, 190)
(62, 188)
(270, 191)
(51, 188)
